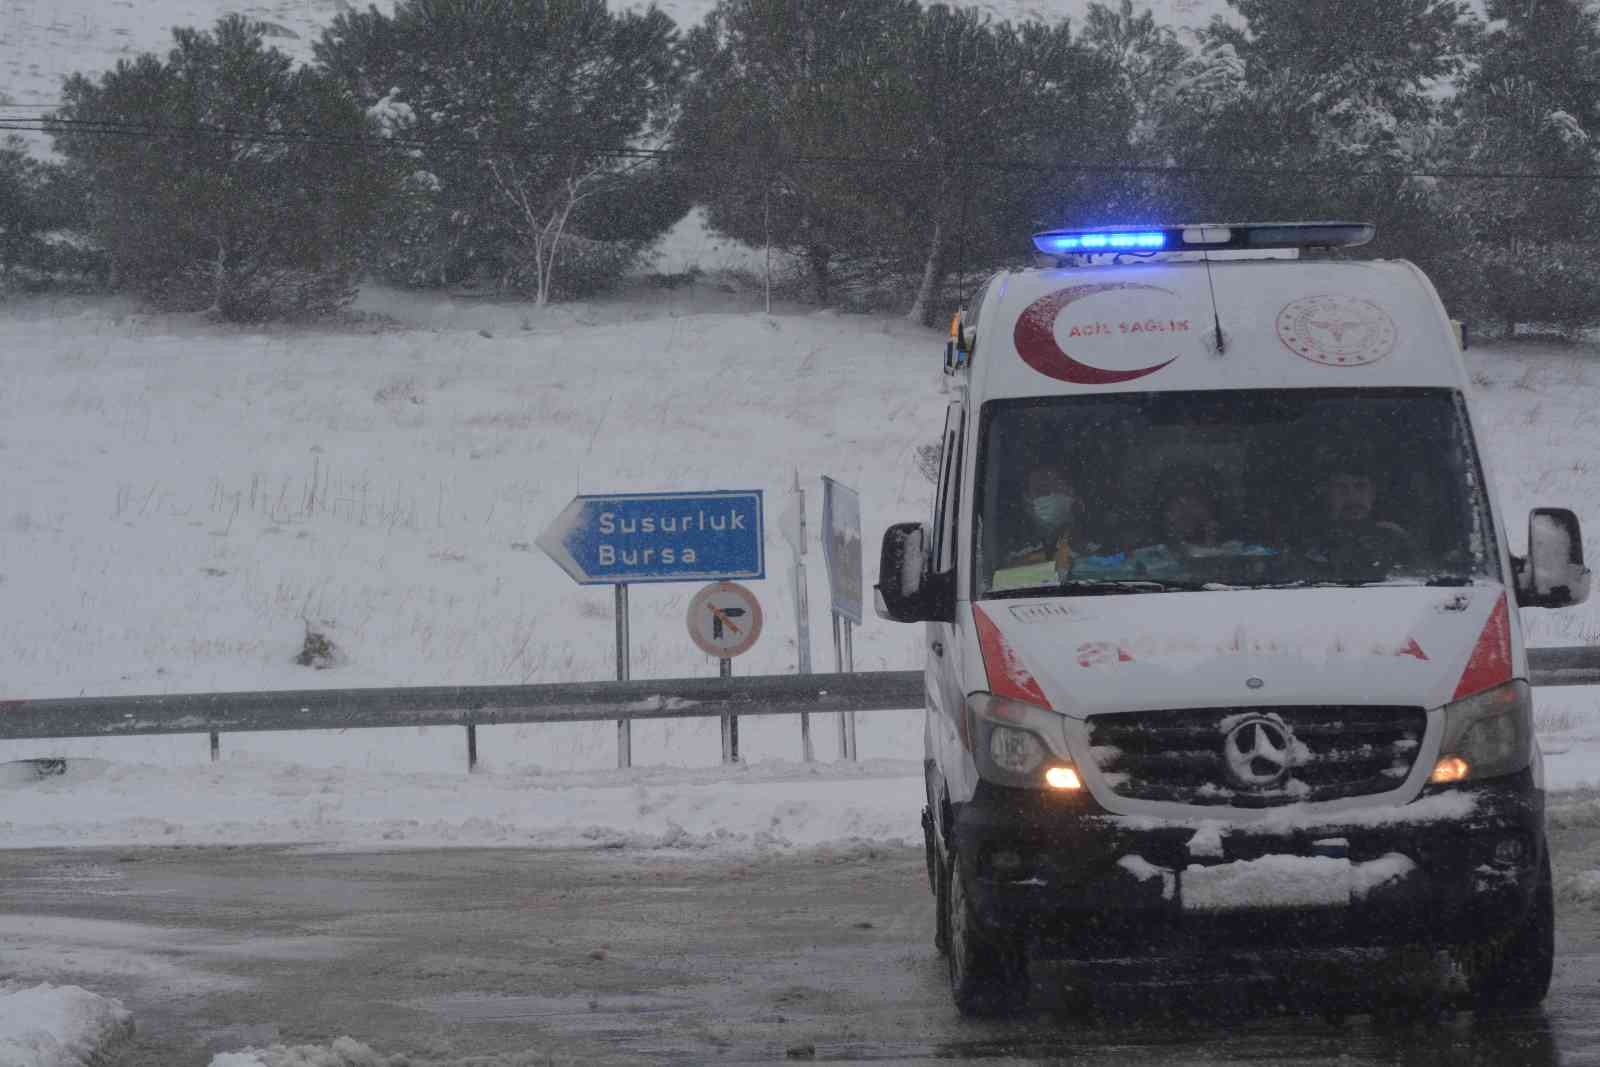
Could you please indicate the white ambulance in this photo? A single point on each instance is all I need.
(1223, 644)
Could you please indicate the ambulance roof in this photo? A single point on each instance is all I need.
(1286, 324)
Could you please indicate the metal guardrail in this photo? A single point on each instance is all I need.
(492, 705)
(468, 706)
(1570, 665)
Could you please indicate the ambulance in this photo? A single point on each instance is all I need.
(1224, 657)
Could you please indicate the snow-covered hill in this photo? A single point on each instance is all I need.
(181, 499)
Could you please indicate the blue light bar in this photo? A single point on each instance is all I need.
(1206, 237)
(1057, 242)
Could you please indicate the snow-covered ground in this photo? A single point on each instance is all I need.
(182, 500)
(58, 1026)
(760, 807)
(385, 484)
(345, 1052)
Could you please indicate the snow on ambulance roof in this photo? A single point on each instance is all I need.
(1286, 324)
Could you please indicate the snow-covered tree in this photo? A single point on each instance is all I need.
(1531, 109)
(1147, 60)
(888, 140)
(31, 205)
(780, 92)
(1004, 115)
(1320, 108)
(530, 125)
(224, 177)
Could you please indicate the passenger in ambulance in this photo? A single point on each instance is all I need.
(1191, 499)
(1190, 526)
(1350, 540)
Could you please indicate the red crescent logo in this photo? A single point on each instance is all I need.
(1035, 338)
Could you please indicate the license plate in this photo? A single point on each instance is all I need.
(1271, 882)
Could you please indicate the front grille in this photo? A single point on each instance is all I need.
(1179, 756)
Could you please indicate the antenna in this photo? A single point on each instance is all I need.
(966, 201)
(1216, 319)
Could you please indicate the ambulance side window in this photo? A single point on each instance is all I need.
(948, 503)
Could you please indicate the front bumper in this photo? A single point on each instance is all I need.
(1080, 883)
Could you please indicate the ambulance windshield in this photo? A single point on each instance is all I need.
(1151, 492)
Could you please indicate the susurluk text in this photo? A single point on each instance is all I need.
(689, 520)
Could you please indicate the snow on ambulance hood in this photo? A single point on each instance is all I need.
(1401, 645)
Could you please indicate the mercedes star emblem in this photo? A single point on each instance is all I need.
(1257, 752)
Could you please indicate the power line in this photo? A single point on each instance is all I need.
(158, 132)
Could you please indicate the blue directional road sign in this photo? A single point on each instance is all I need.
(659, 537)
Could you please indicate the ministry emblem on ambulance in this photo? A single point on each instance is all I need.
(1337, 331)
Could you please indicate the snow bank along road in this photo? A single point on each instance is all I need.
(504, 957)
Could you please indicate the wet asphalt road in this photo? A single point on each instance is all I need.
(528, 957)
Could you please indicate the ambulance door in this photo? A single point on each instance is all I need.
(946, 687)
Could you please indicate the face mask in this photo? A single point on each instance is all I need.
(1054, 509)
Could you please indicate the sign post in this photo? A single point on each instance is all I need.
(793, 526)
(624, 672)
(841, 548)
(724, 621)
(627, 538)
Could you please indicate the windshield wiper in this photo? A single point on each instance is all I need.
(1101, 587)
(1124, 586)
(1397, 580)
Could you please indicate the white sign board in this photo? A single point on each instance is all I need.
(724, 619)
(841, 547)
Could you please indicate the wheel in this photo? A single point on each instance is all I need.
(938, 882)
(1513, 975)
(987, 976)
(941, 907)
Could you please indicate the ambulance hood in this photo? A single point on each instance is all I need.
(1380, 645)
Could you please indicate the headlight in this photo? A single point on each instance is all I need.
(1486, 735)
(1018, 744)
(1016, 751)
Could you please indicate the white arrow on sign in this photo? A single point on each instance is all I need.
(554, 539)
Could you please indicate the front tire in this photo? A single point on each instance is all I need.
(988, 975)
(1513, 974)
(941, 908)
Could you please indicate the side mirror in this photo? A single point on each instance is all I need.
(958, 350)
(1553, 575)
(907, 590)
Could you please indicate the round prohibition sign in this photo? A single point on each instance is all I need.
(724, 619)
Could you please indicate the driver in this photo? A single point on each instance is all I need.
(1044, 533)
(1350, 536)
